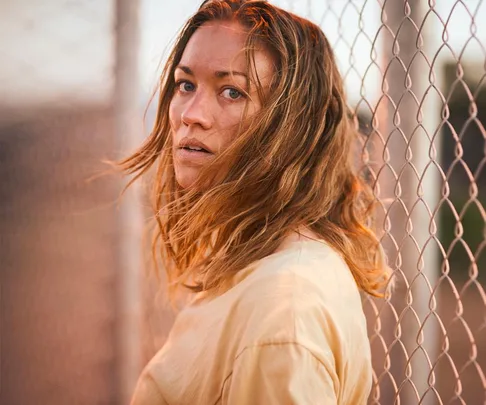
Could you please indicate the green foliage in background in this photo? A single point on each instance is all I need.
(473, 235)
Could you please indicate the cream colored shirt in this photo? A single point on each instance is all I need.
(291, 330)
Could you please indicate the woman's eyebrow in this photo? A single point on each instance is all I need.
(219, 73)
(185, 69)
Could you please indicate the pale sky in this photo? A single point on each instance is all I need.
(61, 51)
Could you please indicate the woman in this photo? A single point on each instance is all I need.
(260, 215)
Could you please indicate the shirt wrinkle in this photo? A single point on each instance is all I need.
(283, 343)
(159, 391)
(266, 344)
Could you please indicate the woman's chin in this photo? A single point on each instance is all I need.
(186, 183)
(187, 177)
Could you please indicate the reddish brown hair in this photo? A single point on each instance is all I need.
(294, 167)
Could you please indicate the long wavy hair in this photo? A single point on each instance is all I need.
(291, 168)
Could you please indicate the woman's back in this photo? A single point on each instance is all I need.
(290, 330)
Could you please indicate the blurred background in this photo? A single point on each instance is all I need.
(80, 312)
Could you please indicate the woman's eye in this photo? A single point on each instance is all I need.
(185, 87)
(232, 94)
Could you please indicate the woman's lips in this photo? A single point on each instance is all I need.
(192, 143)
(184, 155)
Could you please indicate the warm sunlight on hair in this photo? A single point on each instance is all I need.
(252, 141)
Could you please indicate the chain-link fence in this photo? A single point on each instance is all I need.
(415, 73)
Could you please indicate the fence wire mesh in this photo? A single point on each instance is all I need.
(415, 72)
(416, 76)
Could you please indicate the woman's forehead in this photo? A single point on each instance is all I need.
(220, 46)
(215, 44)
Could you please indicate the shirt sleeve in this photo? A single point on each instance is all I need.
(286, 373)
(147, 392)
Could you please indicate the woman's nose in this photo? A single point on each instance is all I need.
(197, 112)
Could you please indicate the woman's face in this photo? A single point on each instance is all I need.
(209, 100)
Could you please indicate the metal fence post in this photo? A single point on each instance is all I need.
(128, 133)
(413, 189)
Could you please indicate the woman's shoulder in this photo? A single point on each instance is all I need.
(304, 295)
(302, 268)
(304, 289)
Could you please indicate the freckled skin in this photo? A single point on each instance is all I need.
(208, 106)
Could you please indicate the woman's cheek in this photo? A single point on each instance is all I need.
(174, 117)
(232, 123)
